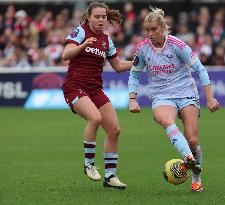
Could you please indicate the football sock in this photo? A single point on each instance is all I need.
(178, 140)
(89, 149)
(198, 156)
(110, 163)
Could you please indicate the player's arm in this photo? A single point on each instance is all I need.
(119, 65)
(133, 83)
(72, 50)
(75, 43)
(192, 60)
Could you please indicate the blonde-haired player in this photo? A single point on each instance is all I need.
(168, 62)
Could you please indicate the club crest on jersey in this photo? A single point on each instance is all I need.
(74, 33)
(104, 44)
(170, 57)
(136, 61)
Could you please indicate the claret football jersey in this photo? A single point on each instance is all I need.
(86, 68)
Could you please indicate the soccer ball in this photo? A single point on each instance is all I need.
(175, 171)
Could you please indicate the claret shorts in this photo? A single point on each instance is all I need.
(98, 97)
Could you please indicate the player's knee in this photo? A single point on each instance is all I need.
(95, 119)
(115, 132)
(165, 122)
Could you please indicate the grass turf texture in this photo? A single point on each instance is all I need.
(41, 160)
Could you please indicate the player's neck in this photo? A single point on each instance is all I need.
(93, 30)
(159, 44)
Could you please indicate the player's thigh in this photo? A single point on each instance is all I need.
(87, 109)
(190, 119)
(165, 115)
(110, 122)
(165, 111)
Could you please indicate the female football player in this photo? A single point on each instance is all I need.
(87, 48)
(168, 62)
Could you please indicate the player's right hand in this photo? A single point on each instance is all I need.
(213, 105)
(89, 41)
(134, 107)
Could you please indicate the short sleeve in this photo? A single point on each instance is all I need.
(112, 49)
(76, 36)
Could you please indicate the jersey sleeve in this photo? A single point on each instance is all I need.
(76, 36)
(112, 53)
(191, 59)
(135, 72)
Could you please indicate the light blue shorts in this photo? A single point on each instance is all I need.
(178, 103)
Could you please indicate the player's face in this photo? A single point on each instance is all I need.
(155, 33)
(97, 19)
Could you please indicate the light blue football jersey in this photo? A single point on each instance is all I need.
(168, 69)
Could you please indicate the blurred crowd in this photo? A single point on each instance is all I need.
(39, 40)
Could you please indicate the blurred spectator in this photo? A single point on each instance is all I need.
(217, 30)
(140, 19)
(183, 18)
(218, 58)
(129, 11)
(204, 17)
(205, 60)
(21, 26)
(129, 21)
(54, 50)
(200, 35)
(130, 48)
(76, 18)
(1, 24)
(9, 18)
(184, 33)
(116, 34)
(171, 23)
(38, 40)
(21, 58)
(207, 46)
(193, 21)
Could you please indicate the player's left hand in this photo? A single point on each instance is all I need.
(213, 105)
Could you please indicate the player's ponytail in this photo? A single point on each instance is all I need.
(157, 15)
(112, 15)
(84, 19)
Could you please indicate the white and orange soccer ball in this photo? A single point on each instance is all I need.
(175, 171)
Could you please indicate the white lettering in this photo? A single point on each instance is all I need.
(95, 51)
(10, 90)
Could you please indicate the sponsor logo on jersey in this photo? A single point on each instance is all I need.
(157, 69)
(95, 51)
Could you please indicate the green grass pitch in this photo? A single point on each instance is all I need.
(41, 160)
